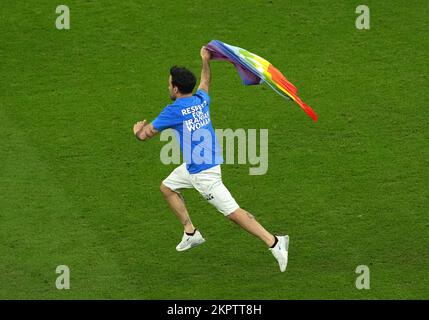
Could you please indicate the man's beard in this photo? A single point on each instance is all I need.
(172, 97)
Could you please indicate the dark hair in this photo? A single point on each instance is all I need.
(183, 79)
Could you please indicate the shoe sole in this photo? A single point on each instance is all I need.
(287, 251)
(286, 237)
(192, 245)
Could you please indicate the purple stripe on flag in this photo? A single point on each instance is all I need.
(221, 52)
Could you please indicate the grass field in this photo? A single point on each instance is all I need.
(78, 189)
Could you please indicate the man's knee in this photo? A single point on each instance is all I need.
(240, 215)
(235, 215)
(166, 191)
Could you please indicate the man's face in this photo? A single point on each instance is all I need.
(173, 90)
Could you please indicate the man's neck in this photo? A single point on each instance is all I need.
(179, 96)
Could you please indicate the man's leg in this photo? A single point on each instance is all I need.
(278, 245)
(177, 205)
(191, 236)
(177, 180)
(209, 184)
(248, 222)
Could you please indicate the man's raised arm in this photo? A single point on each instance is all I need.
(205, 71)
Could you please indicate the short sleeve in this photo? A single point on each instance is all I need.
(166, 119)
(204, 95)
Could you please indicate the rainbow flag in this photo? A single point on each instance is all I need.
(255, 70)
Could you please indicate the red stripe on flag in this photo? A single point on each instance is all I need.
(281, 80)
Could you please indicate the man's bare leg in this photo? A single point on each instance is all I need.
(248, 222)
(177, 205)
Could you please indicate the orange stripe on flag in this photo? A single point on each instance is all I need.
(281, 81)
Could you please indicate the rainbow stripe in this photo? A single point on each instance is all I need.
(254, 69)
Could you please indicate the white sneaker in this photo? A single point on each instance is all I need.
(190, 241)
(280, 251)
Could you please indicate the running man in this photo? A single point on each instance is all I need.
(189, 116)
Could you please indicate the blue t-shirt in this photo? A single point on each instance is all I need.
(190, 119)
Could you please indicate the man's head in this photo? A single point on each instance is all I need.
(181, 82)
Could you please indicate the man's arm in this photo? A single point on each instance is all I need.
(205, 71)
(144, 131)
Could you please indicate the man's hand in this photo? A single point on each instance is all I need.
(139, 125)
(144, 131)
(205, 54)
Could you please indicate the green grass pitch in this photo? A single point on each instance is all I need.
(76, 188)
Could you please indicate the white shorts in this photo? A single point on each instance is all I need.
(208, 183)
